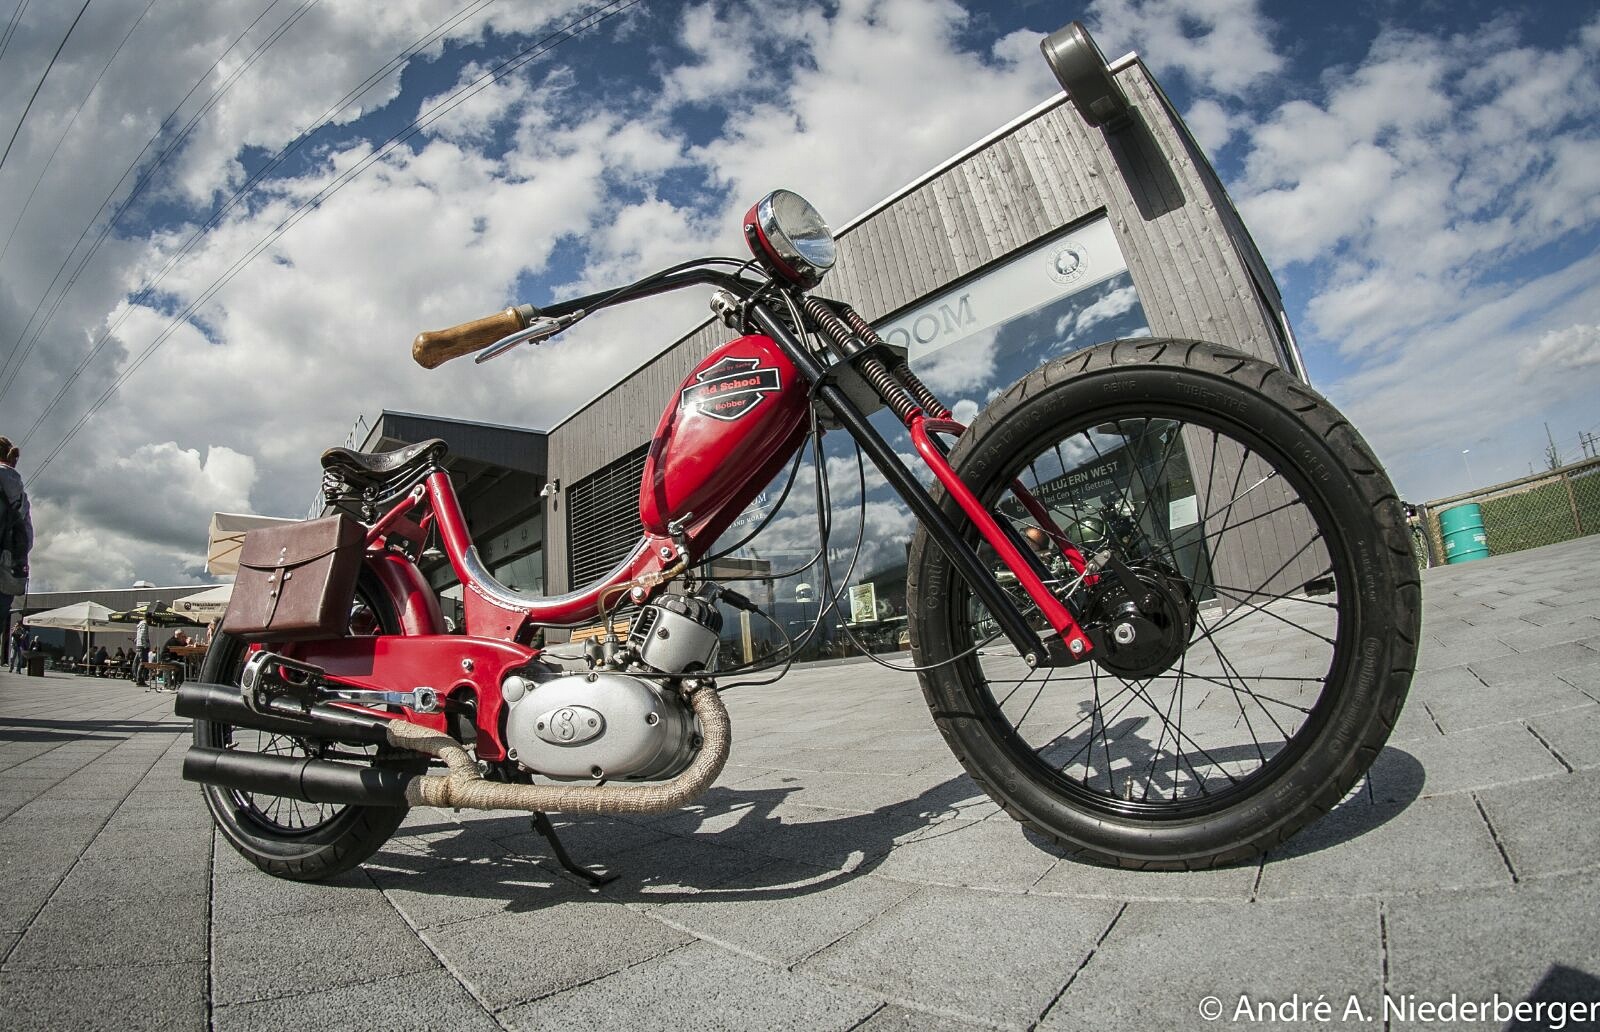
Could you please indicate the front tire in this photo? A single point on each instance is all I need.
(1286, 621)
(288, 838)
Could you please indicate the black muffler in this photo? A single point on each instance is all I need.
(222, 704)
(303, 778)
(312, 781)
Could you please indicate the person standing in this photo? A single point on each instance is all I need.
(141, 653)
(16, 532)
(19, 648)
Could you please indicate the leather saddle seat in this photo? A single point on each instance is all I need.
(357, 467)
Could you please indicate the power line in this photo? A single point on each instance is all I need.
(29, 106)
(71, 122)
(571, 31)
(15, 359)
(11, 27)
(188, 246)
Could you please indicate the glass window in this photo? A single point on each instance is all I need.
(525, 573)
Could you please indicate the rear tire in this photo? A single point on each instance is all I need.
(289, 838)
(1322, 663)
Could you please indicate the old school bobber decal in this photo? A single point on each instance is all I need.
(731, 388)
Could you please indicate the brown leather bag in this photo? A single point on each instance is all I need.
(297, 581)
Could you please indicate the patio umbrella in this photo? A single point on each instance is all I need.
(205, 605)
(87, 617)
(158, 614)
(227, 536)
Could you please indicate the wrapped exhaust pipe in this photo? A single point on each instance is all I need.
(325, 781)
(464, 788)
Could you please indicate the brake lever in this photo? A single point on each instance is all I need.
(543, 329)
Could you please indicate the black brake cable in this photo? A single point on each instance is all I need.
(824, 531)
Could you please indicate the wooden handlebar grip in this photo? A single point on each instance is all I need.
(434, 348)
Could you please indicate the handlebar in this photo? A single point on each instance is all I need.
(433, 348)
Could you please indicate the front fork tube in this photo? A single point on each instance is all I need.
(1003, 539)
(939, 526)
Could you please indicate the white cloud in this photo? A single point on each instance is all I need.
(862, 114)
(1116, 303)
(1220, 46)
(1560, 351)
(961, 367)
(313, 333)
(1211, 124)
(1421, 173)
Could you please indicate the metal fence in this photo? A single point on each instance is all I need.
(1557, 505)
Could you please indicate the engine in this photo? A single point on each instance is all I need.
(608, 723)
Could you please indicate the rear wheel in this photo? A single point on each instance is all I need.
(291, 838)
(1251, 665)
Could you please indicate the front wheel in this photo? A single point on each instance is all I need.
(1256, 661)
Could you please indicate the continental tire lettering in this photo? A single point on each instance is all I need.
(1369, 573)
(1311, 463)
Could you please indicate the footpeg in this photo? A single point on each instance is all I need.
(278, 686)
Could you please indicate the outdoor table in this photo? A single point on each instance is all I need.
(191, 656)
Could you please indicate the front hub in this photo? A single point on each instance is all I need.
(1143, 633)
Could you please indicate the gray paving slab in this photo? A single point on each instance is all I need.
(1527, 943)
(1482, 705)
(844, 872)
(263, 956)
(245, 894)
(989, 854)
(1160, 961)
(512, 958)
(784, 912)
(922, 952)
(1573, 736)
(1495, 754)
(1547, 826)
(440, 896)
(112, 998)
(117, 879)
(698, 987)
(1563, 654)
(25, 893)
(1367, 849)
(70, 933)
(424, 1000)
(890, 1018)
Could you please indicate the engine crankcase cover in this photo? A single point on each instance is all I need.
(601, 724)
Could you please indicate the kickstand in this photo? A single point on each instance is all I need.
(542, 825)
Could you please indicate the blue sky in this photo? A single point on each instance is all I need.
(1424, 179)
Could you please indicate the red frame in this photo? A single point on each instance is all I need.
(705, 467)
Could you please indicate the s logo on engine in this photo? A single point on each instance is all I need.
(731, 388)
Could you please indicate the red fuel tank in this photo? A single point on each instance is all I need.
(736, 420)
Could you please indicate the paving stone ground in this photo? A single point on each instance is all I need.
(844, 874)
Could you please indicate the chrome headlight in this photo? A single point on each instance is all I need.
(788, 235)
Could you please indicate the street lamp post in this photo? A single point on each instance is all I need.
(1471, 480)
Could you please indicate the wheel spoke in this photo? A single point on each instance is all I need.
(1201, 706)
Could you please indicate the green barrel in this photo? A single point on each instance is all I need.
(1462, 530)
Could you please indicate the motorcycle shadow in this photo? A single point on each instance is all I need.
(744, 843)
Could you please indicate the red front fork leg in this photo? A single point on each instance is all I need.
(1054, 611)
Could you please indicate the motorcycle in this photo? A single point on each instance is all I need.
(1073, 617)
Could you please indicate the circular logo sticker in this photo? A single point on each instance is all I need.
(1068, 264)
